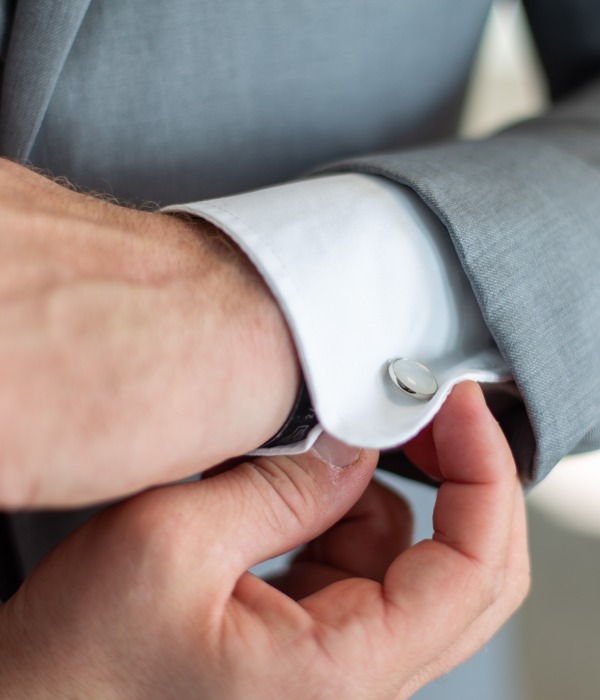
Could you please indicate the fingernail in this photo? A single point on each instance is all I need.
(335, 452)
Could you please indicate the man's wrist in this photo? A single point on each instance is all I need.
(258, 346)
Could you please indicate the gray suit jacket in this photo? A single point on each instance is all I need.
(179, 100)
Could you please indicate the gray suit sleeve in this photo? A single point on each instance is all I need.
(523, 211)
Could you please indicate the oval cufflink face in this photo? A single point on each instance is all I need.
(413, 378)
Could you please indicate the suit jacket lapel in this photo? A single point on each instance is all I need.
(41, 38)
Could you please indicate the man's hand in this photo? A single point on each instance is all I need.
(152, 598)
(135, 348)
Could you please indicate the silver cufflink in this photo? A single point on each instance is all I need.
(413, 378)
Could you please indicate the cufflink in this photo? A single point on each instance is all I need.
(413, 378)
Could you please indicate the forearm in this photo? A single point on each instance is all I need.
(138, 346)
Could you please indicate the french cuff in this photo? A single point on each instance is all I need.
(364, 273)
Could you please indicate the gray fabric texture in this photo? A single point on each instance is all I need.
(41, 37)
(178, 101)
(6, 10)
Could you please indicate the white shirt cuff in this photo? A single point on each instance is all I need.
(364, 273)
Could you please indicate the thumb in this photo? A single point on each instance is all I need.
(269, 505)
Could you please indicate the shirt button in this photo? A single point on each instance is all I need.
(413, 378)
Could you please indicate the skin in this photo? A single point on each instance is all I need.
(151, 599)
(135, 348)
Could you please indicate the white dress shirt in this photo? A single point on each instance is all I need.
(364, 273)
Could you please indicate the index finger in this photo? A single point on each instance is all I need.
(433, 591)
(448, 581)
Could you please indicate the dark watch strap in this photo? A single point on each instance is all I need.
(299, 423)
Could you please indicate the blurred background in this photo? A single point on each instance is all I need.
(551, 649)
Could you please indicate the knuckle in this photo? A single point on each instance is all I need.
(141, 544)
(162, 545)
(292, 497)
(153, 532)
(521, 585)
(491, 581)
(507, 587)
